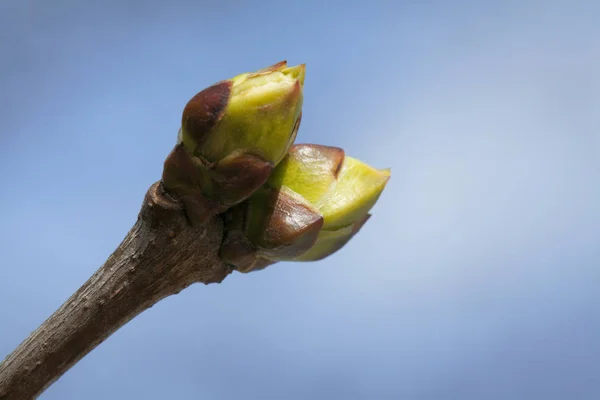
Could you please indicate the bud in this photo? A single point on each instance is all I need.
(315, 201)
(232, 135)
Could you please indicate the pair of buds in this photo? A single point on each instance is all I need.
(281, 202)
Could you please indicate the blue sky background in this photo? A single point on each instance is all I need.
(478, 276)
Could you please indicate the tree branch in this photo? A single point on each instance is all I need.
(161, 255)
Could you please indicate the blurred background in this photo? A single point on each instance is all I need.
(478, 276)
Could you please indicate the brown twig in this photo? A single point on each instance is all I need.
(161, 255)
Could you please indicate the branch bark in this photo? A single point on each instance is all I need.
(160, 256)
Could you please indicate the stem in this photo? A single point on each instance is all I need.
(161, 255)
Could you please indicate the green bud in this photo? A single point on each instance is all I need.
(257, 112)
(331, 195)
(232, 135)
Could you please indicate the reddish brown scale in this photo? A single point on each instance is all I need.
(183, 178)
(204, 110)
(291, 227)
(239, 175)
(331, 156)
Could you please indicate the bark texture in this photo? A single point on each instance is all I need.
(161, 255)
